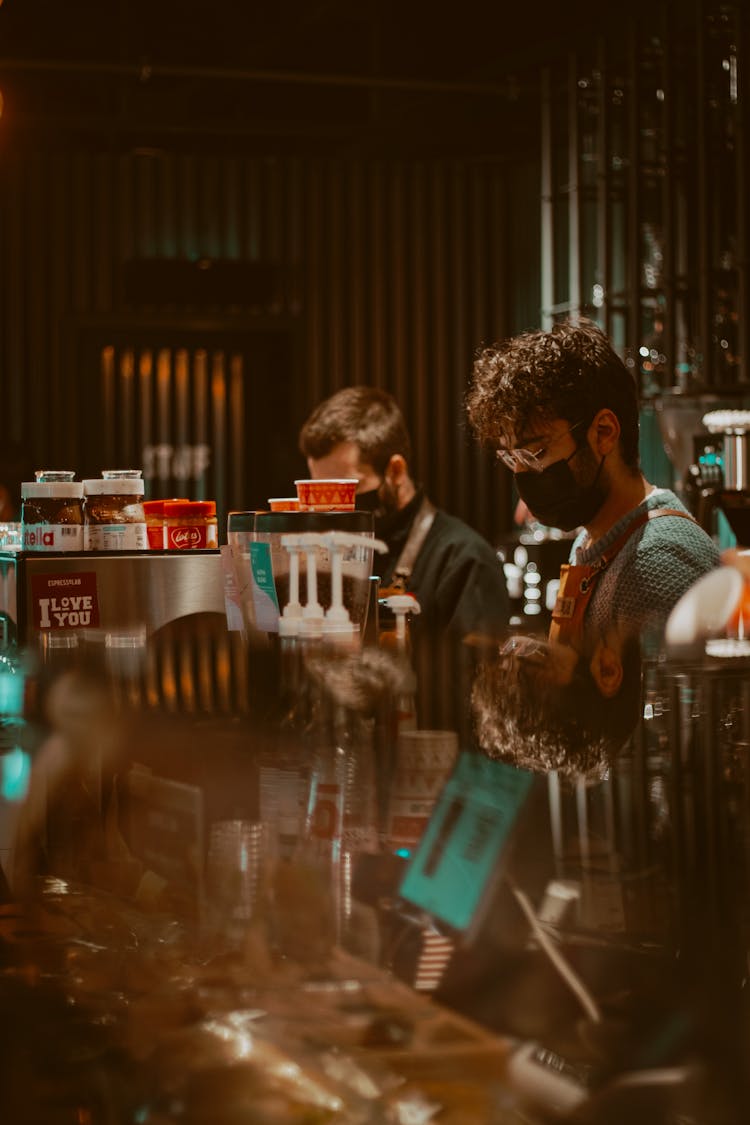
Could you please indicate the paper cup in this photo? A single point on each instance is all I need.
(331, 495)
(283, 503)
(424, 762)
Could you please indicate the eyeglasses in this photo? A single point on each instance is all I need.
(526, 460)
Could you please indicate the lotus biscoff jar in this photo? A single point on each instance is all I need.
(190, 525)
(52, 512)
(114, 519)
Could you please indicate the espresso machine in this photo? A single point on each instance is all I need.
(58, 594)
(155, 621)
(718, 480)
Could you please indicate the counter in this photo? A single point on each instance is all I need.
(599, 974)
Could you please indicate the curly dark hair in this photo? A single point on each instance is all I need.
(570, 372)
(540, 726)
(367, 416)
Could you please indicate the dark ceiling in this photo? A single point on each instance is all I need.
(297, 75)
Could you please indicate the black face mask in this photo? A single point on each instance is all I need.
(375, 500)
(557, 499)
(368, 501)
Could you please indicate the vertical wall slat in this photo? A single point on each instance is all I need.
(458, 353)
(400, 304)
(437, 382)
(313, 373)
(743, 180)
(360, 277)
(547, 203)
(604, 186)
(219, 419)
(420, 392)
(633, 236)
(704, 200)
(575, 264)
(62, 232)
(378, 311)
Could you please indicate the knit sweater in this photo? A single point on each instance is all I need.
(650, 573)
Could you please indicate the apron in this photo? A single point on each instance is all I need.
(578, 582)
(423, 521)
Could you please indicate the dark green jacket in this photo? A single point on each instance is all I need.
(457, 578)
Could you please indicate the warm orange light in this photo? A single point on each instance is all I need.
(738, 624)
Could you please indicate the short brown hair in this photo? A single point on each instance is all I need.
(570, 372)
(366, 416)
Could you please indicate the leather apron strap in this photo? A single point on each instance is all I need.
(578, 582)
(423, 521)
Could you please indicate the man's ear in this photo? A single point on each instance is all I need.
(396, 470)
(604, 431)
(606, 668)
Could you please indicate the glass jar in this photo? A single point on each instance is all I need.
(114, 519)
(154, 513)
(52, 515)
(190, 525)
(155, 521)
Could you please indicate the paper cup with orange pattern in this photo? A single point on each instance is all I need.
(330, 495)
(283, 503)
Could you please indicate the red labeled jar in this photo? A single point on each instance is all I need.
(153, 510)
(155, 521)
(190, 525)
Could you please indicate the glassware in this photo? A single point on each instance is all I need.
(54, 476)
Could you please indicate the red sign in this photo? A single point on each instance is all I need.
(64, 601)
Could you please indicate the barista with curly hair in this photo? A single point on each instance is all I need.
(561, 410)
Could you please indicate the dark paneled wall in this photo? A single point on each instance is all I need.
(385, 272)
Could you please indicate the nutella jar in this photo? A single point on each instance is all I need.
(52, 512)
(114, 519)
(190, 525)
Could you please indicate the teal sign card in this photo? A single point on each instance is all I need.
(460, 855)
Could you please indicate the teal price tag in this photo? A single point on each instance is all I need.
(265, 602)
(461, 853)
